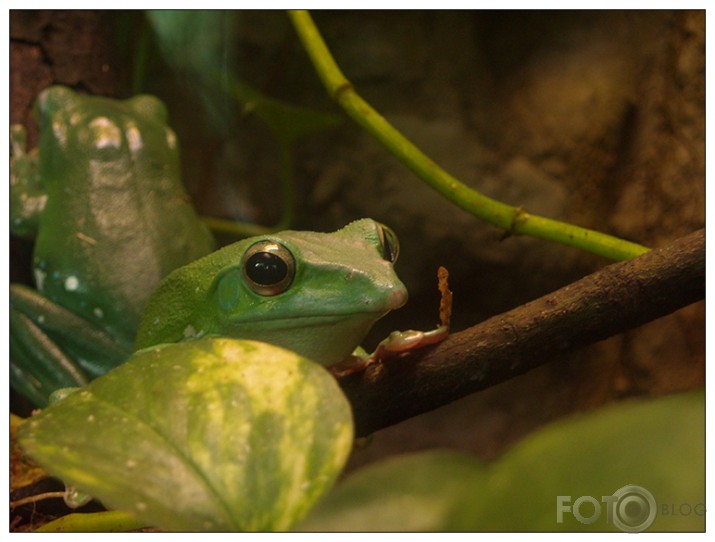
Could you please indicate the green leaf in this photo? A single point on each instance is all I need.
(213, 434)
(408, 493)
(657, 445)
(110, 521)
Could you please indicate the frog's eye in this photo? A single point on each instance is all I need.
(268, 267)
(389, 243)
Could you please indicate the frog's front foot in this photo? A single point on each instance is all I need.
(398, 343)
(402, 342)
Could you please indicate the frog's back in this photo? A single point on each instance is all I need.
(115, 200)
(180, 294)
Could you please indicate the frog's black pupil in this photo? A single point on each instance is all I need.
(266, 268)
(389, 254)
(390, 244)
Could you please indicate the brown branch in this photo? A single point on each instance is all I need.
(612, 300)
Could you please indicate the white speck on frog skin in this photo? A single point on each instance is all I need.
(71, 283)
(40, 278)
(60, 132)
(106, 133)
(99, 313)
(170, 139)
(134, 138)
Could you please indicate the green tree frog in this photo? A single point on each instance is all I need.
(103, 198)
(317, 294)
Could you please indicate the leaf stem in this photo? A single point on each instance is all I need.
(514, 220)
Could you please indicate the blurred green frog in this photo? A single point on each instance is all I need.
(103, 198)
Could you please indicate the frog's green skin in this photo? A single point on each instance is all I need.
(104, 201)
(340, 284)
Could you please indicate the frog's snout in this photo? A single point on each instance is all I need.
(396, 298)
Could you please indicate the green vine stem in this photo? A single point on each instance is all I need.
(514, 220)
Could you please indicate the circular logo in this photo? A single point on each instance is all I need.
(634, 509)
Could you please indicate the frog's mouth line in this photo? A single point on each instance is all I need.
(317, 320)
(397, 299)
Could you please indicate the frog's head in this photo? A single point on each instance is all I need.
(78, 130)
(61, 109)
(315, 293)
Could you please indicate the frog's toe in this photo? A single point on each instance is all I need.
(403, 341)
(351, 365)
